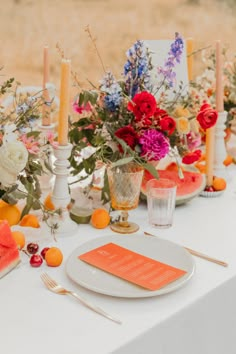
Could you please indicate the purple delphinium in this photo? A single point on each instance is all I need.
(154, 145)
(113, 97)
(175, 52)
(137, 69)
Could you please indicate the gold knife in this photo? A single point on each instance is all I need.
(199, 254)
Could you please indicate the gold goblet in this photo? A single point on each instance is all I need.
(124, 184)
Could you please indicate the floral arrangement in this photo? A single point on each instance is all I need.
(24, 153)
(133, 119)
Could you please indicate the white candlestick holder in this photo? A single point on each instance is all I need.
(46, 180)
(220, 148)
(61, 195)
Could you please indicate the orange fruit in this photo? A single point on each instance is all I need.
(227, 134)
(19, 237)
(201, 167)
(219, 184)
(54, 257)
(9, 212)
(30, 220)
(48, 204)
(228, 160)
(100, 218)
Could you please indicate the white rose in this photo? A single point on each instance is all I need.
(13, 159)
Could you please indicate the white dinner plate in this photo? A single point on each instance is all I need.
(102, 282)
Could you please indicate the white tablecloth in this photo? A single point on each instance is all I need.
(199, 318)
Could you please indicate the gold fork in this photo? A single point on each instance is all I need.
(53, 286)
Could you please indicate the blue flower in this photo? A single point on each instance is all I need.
(137, 69)
(113, 90)
(112, 101)
(175, 52)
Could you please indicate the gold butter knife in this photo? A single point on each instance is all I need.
(199, 254)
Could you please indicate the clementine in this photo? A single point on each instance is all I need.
(100, 218)
(228, 160)
(19, 237)
(53, 257)
(219, 184)
(9, 212)
(48, 204)
(30, 220)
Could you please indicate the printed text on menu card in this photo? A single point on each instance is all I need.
(131, 266)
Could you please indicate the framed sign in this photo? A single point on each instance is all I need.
(159, 50)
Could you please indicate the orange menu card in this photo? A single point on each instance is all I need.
(136, 268)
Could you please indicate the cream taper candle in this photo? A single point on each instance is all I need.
(64, 102)
(46, 109)
(219, 78)
(189, 50)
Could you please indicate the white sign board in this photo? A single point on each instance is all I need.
(159, 51)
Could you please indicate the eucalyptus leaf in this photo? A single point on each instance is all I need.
(150, 168)
(123, 161)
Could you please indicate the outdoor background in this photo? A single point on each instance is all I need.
(27, 25)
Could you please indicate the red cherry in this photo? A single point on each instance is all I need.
(36, 260)
(44, 251)
(32, 248)
(209, 189)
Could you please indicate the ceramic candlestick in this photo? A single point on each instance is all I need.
(61, 196)
(220, 148)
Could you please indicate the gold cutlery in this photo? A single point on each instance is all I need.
(53, 286)
(199, 254)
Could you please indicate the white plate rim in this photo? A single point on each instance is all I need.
(134, 291)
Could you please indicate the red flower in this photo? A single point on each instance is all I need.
(143, 106)
(160, 113)
(207, 116)
(129, 135)
(168, 124)
(192, 157)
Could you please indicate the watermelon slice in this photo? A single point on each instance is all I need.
(189, 187)
(9, 253)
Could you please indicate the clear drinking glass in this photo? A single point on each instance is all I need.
(161, 195)
(124, 184)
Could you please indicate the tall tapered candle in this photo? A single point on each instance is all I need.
(64, 102)
(210, 133)
(189, 49)
(219, 78)
(46, 109)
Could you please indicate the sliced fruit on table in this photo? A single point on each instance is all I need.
(9, 252)
(187, 188)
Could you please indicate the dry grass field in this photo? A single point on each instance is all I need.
(27, 25)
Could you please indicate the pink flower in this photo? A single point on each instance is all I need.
(31, 145)
(154, 145)
(194, 140)
(83, 108)
(50, 138)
